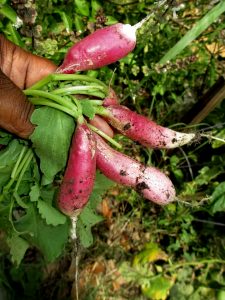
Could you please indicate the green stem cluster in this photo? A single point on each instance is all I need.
(63, 96)
(67, 77)
(18, 171)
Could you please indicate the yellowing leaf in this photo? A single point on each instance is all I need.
(216, 48)
(158, 288)
(151, 253)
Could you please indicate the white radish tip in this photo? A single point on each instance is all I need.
(181, 139)
(128, 31)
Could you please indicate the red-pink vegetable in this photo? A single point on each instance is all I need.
(80, 172)
(111, 99)
(101, 124)
(150, 182)
(141, 129)
(103, 47)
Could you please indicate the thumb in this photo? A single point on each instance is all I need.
(15, 110)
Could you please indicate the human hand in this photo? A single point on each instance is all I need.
(19, 70)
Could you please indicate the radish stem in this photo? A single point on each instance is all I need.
(81, 89)
(79, 109)
(65, 77)
(105, 136)
(19, 169)
(50, 96)
(41, 82)
(100, 110)
(14, 171)
(140, 24)
(39, 101)
(212, 137)
(93, 102)
(27, 160)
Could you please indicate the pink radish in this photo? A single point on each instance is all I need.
(150, 182)
(79, 177)
(141, 129)
(111, 99)
(103, 47)
(102, 125)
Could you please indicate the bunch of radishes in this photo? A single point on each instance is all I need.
(90, 151)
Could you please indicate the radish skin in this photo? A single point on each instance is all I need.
(103, 47)
(150, 182)
(79, 177)
(102, 125)
(141, 129)
(111, 99)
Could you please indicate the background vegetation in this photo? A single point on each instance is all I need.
(139, 250)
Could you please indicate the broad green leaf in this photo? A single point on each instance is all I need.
(51, 139)
(34, 193)
(18, 247)
(50, 240)
(102, 184)
(218, 198)
(86, 220)
(87, 109)
(157, 288)
(48, 193)
(88, 216)
(50, 214)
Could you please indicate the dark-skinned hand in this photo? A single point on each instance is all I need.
(19, 70)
